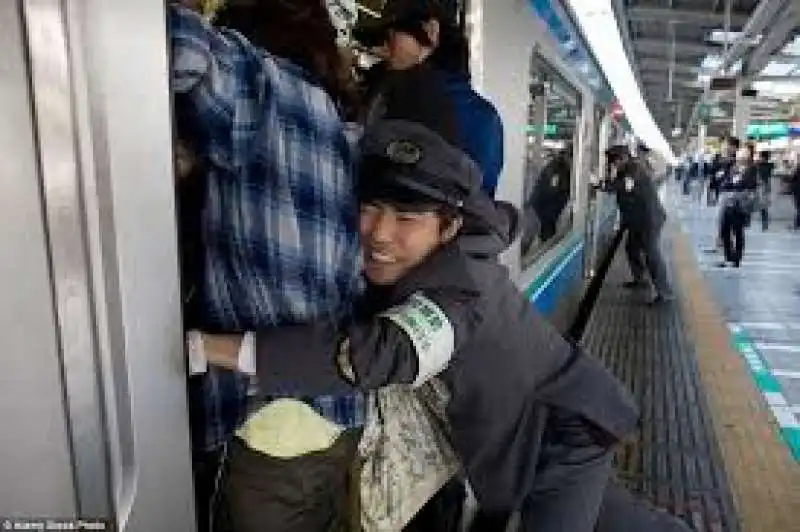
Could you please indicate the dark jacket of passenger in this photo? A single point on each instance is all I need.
(637, 198)
(735, 180)
(517, 388)
(480, 128)
(418, 94)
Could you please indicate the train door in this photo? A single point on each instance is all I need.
(595, 196)
(92, 390)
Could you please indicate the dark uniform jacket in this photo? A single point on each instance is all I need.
(512, 377)
(637, 198)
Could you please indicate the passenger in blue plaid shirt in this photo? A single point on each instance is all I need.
(279, 215)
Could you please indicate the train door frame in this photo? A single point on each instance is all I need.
(101, 116)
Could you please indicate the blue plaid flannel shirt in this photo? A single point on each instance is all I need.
(280, 215)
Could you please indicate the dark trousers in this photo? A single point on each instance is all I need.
(622, 512)
(713, 194)
(732, 233)
(309, 493)
(207, 474)
(796, 197)
(619, 511)
(643, 252)
(443, 513)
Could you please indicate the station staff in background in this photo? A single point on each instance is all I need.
(642, 217)
(426, 71)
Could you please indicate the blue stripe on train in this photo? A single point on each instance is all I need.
(559, 280)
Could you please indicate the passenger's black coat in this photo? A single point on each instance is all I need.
(511, 370)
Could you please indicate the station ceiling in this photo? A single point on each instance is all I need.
(676, 45)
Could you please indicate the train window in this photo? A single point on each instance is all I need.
(552, 131)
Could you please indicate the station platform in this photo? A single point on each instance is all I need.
(716, 376)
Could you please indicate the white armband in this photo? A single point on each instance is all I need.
(429, 330)
(247, 354)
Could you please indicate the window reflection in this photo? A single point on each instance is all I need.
(553, 119)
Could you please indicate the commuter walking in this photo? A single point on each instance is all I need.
(739, 187)
(794, 190)
(765, 169)
(714, 180)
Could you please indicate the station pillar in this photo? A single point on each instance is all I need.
(741, 113)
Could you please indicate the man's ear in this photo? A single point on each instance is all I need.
(432, 28)
(452, 229)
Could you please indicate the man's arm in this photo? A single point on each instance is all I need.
(406, 344)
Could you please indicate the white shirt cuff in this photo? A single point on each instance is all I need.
(198, 361)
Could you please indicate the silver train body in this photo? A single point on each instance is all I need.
(92, 388)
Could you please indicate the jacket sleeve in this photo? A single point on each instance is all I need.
(406, 344)
(490, 151)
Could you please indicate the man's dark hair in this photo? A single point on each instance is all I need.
(734, 142)
(452, 53)
(300, 31)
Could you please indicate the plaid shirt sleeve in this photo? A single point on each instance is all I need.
(209, 66)
(280, 217)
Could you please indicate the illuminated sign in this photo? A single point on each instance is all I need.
(768, 130)
(550, 130)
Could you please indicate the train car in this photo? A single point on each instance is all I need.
(92, 392)
(566, 102)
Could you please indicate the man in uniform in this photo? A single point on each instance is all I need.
(532, 418)
(643, 217)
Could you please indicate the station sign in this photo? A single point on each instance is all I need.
(550, 130)
(768, 130)
(723, 84)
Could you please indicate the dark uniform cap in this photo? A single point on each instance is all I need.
(398, 14)
(617, 151)
(402, 159)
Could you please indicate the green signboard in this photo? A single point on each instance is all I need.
(550, 130)
(768, 130)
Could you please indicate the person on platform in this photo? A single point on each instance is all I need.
(642, 218)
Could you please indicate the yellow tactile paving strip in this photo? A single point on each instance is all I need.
(764, 478)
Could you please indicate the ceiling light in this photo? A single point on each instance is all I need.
(596, 19)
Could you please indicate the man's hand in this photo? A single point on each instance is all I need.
(222, 349)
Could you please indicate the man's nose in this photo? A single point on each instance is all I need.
(383, 228)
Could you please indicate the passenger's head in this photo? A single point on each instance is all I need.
(416, 192)
(617, 156)
(732, 145)
(300, 31)
(765, 156)
(417, 30)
